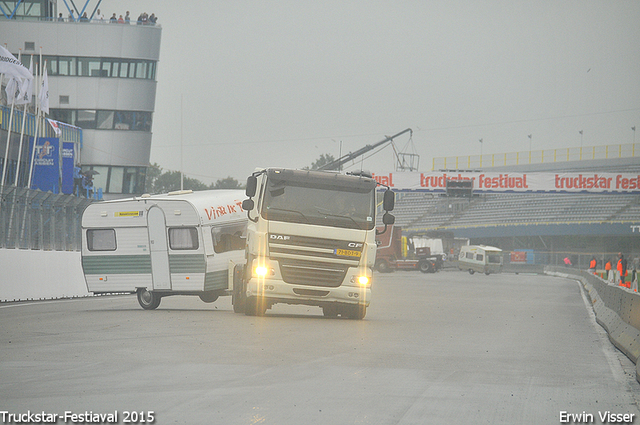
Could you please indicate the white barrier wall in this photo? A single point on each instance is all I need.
(34, 275)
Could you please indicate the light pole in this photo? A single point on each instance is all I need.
(530, 136)
(580, 131)
(480, 152)
(634, 134)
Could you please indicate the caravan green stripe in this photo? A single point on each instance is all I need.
(116, 264)
(216, 280)
(187, 263)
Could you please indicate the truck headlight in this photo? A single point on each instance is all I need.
(361, 280)
(263, 271)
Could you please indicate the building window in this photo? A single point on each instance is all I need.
(97, 67)
(114, 179)
(103, 119)
(86, 119)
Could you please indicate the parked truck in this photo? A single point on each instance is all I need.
(398, 252)
(310, 241)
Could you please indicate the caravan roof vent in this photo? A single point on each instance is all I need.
(180, 192)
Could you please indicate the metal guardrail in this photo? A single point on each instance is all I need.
(473, 162)
(32, 219)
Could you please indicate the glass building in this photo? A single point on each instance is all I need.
(102, 78)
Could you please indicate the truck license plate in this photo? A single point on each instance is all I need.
(347, 253)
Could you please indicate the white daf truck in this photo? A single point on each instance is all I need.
(310, 240)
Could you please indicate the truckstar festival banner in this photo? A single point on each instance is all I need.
(624, 183)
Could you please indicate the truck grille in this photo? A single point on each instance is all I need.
(312, 273)
(314, 261)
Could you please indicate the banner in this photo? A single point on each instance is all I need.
(68, 161)
(488, 182)
(9, 65)
(46, 166)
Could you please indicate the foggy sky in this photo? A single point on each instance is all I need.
(278, 83)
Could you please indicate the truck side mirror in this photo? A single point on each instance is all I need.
(247, 204)
(252, 184)
(389, 200)
(388, 219)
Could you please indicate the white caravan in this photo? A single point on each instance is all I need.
(181, 243)
(480, 258)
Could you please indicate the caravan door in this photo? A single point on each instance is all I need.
(159, 249)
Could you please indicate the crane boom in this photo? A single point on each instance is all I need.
(335, 165)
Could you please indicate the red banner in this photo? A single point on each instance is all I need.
(627, 183)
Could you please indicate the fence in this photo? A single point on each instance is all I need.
(32, 219)
(630, 150)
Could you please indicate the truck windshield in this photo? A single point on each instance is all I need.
(351, 209)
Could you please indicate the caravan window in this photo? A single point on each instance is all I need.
(479, 257)
(101, 239)
(494, 258)
(229, 238)
(469, 255)
(183, 238)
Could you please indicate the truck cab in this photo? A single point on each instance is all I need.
(310, 241)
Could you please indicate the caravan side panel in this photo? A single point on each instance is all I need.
(122, 269)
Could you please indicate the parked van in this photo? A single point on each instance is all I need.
(180, 243)
(480, 258)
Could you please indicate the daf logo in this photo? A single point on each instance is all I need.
(280, 237)
(354, 245)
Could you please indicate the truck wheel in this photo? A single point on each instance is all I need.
(487, 273)
(148, 300)
(208, 297)
(471, 271)
(426, 266)
(255, 306)
(238, 296)
(383, 267)
(330, 311)
(354, 311)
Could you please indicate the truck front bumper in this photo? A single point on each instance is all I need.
(278, 291)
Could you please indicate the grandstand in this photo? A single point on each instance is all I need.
(571, 222)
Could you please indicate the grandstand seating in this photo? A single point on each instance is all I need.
(430, 211)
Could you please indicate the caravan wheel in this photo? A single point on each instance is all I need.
(148, 300)
(208, 297)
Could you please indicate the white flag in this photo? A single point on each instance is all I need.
(11, 66)
(44, 93)
(26, 90)
(54, 125)
(13, 90)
